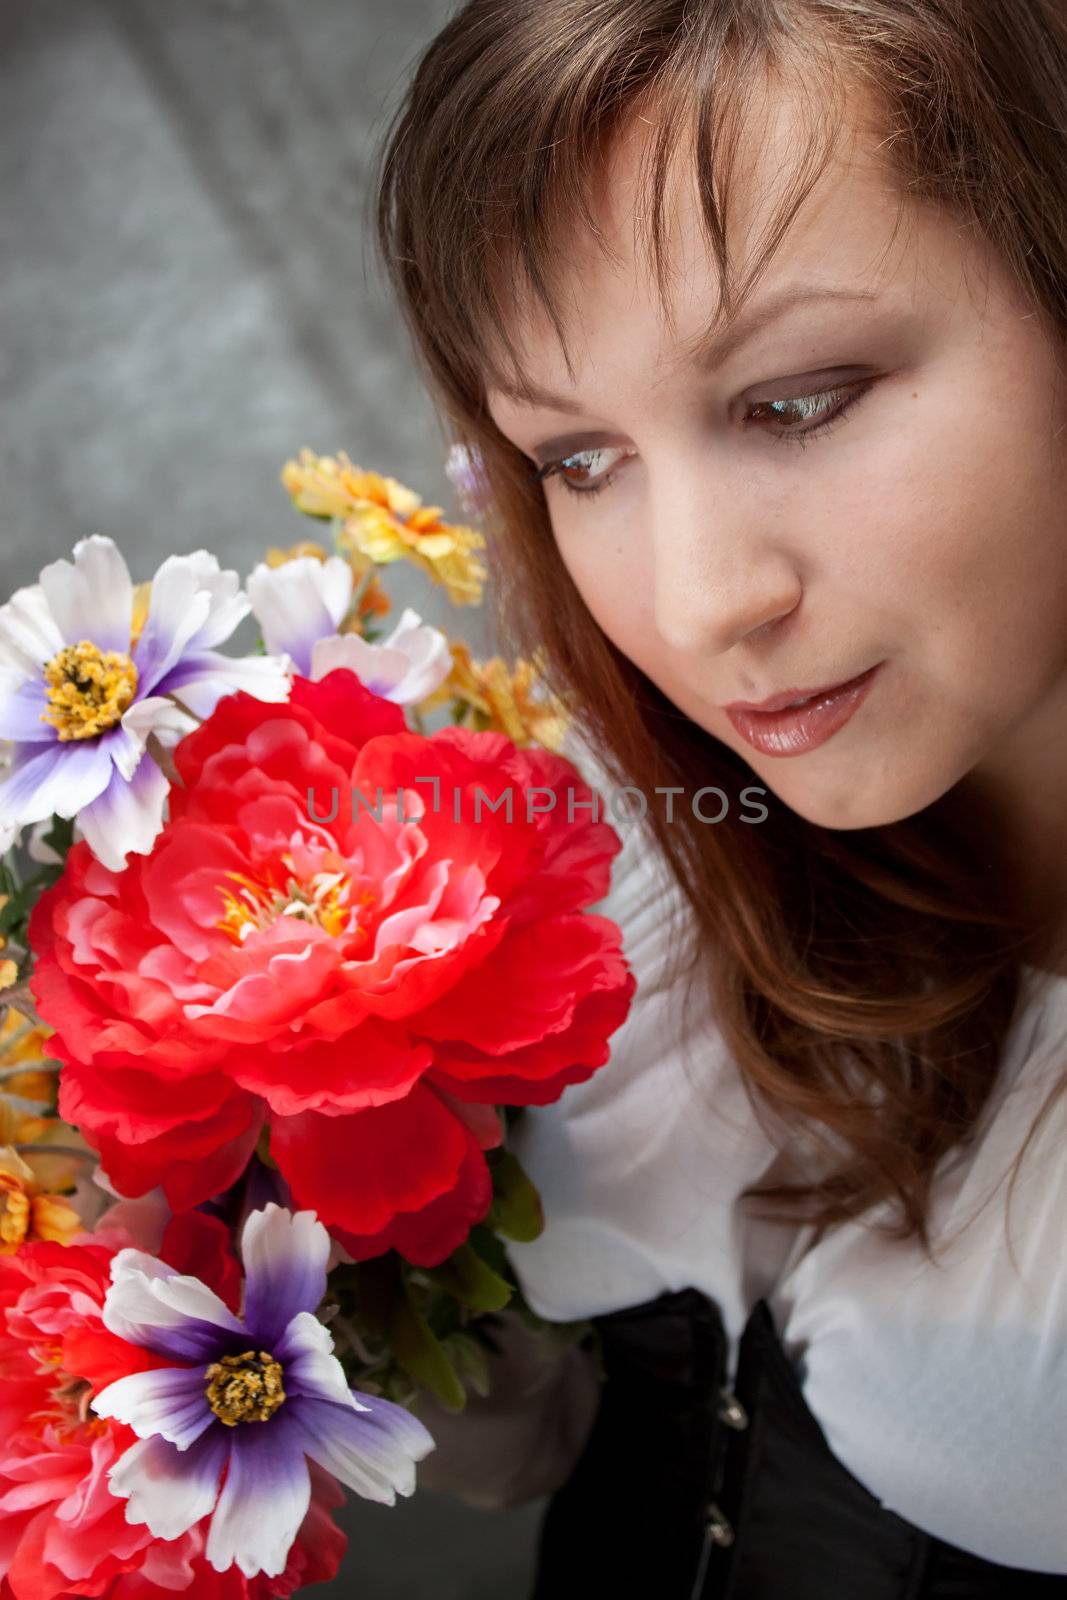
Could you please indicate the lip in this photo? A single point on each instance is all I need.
(775, 731)
(785, 698)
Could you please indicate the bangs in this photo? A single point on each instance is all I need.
(510, 199)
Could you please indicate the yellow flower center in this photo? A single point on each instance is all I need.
(87, 690)
(245, 1388)
(326, 899)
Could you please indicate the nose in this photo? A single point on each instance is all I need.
(718, 576)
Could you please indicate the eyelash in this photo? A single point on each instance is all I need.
(789, 437)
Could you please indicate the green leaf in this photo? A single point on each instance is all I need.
(516, 1211)
(491, 1248)
(471, 1361)
(263, 1149)
(60, 835)
(386, 1306)
(471, 1280)
(14, 910)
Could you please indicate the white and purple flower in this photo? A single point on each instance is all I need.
(252, 1397)
(298, 603)
(405, 666)
(466, 473)
(300, 606)
(82, 691)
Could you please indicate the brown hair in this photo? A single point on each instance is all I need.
(863, 980)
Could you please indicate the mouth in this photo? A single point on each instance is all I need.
(790, 699)
(794, 725)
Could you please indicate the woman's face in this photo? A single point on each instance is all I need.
(924, 531)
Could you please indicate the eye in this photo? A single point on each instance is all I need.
(816, 405)
(573, 463)
(813, 405)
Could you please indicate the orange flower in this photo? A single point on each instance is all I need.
(28, 1210)
(384, 520)
(502, 699)
(9, 970)
(23, 1041)
(276, 557)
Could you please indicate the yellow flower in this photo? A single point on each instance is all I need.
(276, 557)
(18, 1126)
(328, 486)
(503, 699)
(28, 1208)
(383, 520)
(24, 1042)
(9, 970)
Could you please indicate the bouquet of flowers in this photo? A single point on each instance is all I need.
(279, 966)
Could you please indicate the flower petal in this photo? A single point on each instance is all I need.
(229, 603)
(264, 1500)
(28, 633)
(91, 597)
(374, 1452)
(177, 609)
(201, 680)
(22, 702)
(168, 1489)
(126, 749)
(170, 1401)
(127, 816)
(284, 1255)
(311, 1368)
(159, 715)
(150, 1304)
(407, 1174)
(62, 777)
(299, 602)
(407, 666)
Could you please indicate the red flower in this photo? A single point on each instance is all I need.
(370, 988)
(62, 1532)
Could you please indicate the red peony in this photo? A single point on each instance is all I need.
(369, 989)
(62, 1532)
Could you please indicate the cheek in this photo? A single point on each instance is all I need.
(613, 579)
(954, 534)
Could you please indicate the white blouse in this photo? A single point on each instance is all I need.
(942, 1387)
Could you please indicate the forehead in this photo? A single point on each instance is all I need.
(854, 226)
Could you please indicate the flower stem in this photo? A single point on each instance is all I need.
(361, 588)
(22, 1000)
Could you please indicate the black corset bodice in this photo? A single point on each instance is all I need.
(693, 1489)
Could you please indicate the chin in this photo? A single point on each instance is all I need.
(874, 802)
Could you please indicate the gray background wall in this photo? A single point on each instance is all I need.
(188, 293)
(187, 298)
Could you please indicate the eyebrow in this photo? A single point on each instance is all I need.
(710, 347)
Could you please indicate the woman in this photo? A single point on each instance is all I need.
(644, 248)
